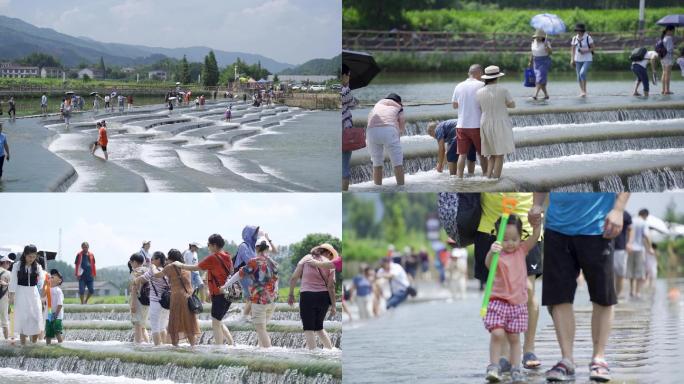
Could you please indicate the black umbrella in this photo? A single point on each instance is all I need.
(69, 93)
(676, 20)
(94, 93)
(363, 68)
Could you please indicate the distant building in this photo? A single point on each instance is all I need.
(102, 288)
(92, 73)
(157, 75)
(16, 70)
(50, 72)
(128, 70)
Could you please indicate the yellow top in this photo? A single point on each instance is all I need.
(492, 209)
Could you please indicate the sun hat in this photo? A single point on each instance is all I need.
(329, 248)
(579, 27)
(492, 72)
(395, 97)
(146, 242)
(539, 33)
(5, 259)
(196, 244)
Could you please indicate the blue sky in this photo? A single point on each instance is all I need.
(116, 224)
(291, 31)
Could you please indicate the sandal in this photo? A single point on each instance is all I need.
(530, 361)
(560, 372)
(599, 371)
(493, 373)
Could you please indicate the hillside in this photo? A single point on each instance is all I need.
(316, 67)
(20, 38)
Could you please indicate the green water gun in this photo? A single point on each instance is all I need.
(508, 207)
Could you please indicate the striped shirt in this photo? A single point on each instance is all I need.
(160, 284)
(347, 102)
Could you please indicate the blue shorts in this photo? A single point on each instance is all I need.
(83, 281)
(452, 156)
(196, 280)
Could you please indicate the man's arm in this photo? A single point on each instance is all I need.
(7, 151)
(613, 223)
(440, 155)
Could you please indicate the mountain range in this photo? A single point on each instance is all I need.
(20, 38)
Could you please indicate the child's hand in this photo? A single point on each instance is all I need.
(496, 247)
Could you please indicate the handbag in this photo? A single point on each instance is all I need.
(353, 138)
(530, 80)
(460, 215)
(165, 298)
(194, 303)
(232, 293)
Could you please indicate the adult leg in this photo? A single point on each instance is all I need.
(310, 339)
(81, 289)
(226, 335)
(460, 166)
(453, 167)
(377, 175)
(398, 174)
(2, 163)
(324, 338)
(484, 161)
(564, 322)
(217, 328)
(533, 316)
(262, 335)
(601, 325)
(498, 166)
(89, 284)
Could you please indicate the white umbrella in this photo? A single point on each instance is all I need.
(657, 224)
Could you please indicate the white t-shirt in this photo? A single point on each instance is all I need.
(582, 50)
(539, 48)
(190, 257)
(469, 112)
(399, 280)
(106, 98)
(640, 228)
(458, 253)
(57, 299)
(43, 100)
(649, 55)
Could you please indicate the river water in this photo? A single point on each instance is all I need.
(444, 341)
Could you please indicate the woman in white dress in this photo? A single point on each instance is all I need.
(496, 127)
(25, 287)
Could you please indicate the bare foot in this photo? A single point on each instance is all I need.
(636, 94)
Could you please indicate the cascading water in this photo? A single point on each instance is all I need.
(644, 146)
(116, 367)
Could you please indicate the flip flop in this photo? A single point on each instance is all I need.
(530, 361)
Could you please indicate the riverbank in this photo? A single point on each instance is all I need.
(446, 62)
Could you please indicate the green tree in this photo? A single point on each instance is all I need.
(393, 222)
(41, 60)
(359, 216)
(210, 71)
(86, 78)
(103, 68)
(184, 76)
(276, 79)
(311, 240)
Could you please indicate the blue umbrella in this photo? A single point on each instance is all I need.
(676, 20)
(549, 23)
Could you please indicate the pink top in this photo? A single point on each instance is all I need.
(312, 281)
(337, 262)
(385, 113)
(510, 283)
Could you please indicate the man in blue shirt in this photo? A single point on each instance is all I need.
(445, 134)
(4, 150)
(578, 237)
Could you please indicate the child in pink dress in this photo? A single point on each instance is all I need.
(507, 310)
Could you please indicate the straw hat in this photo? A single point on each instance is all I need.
(492, 72)
(539, 33)
(329, 248)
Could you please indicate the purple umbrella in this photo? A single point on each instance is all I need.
(676, 20)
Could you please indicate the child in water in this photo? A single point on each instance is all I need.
(507, 310)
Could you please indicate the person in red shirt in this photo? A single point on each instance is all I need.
(219, 267)
(101, 139)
